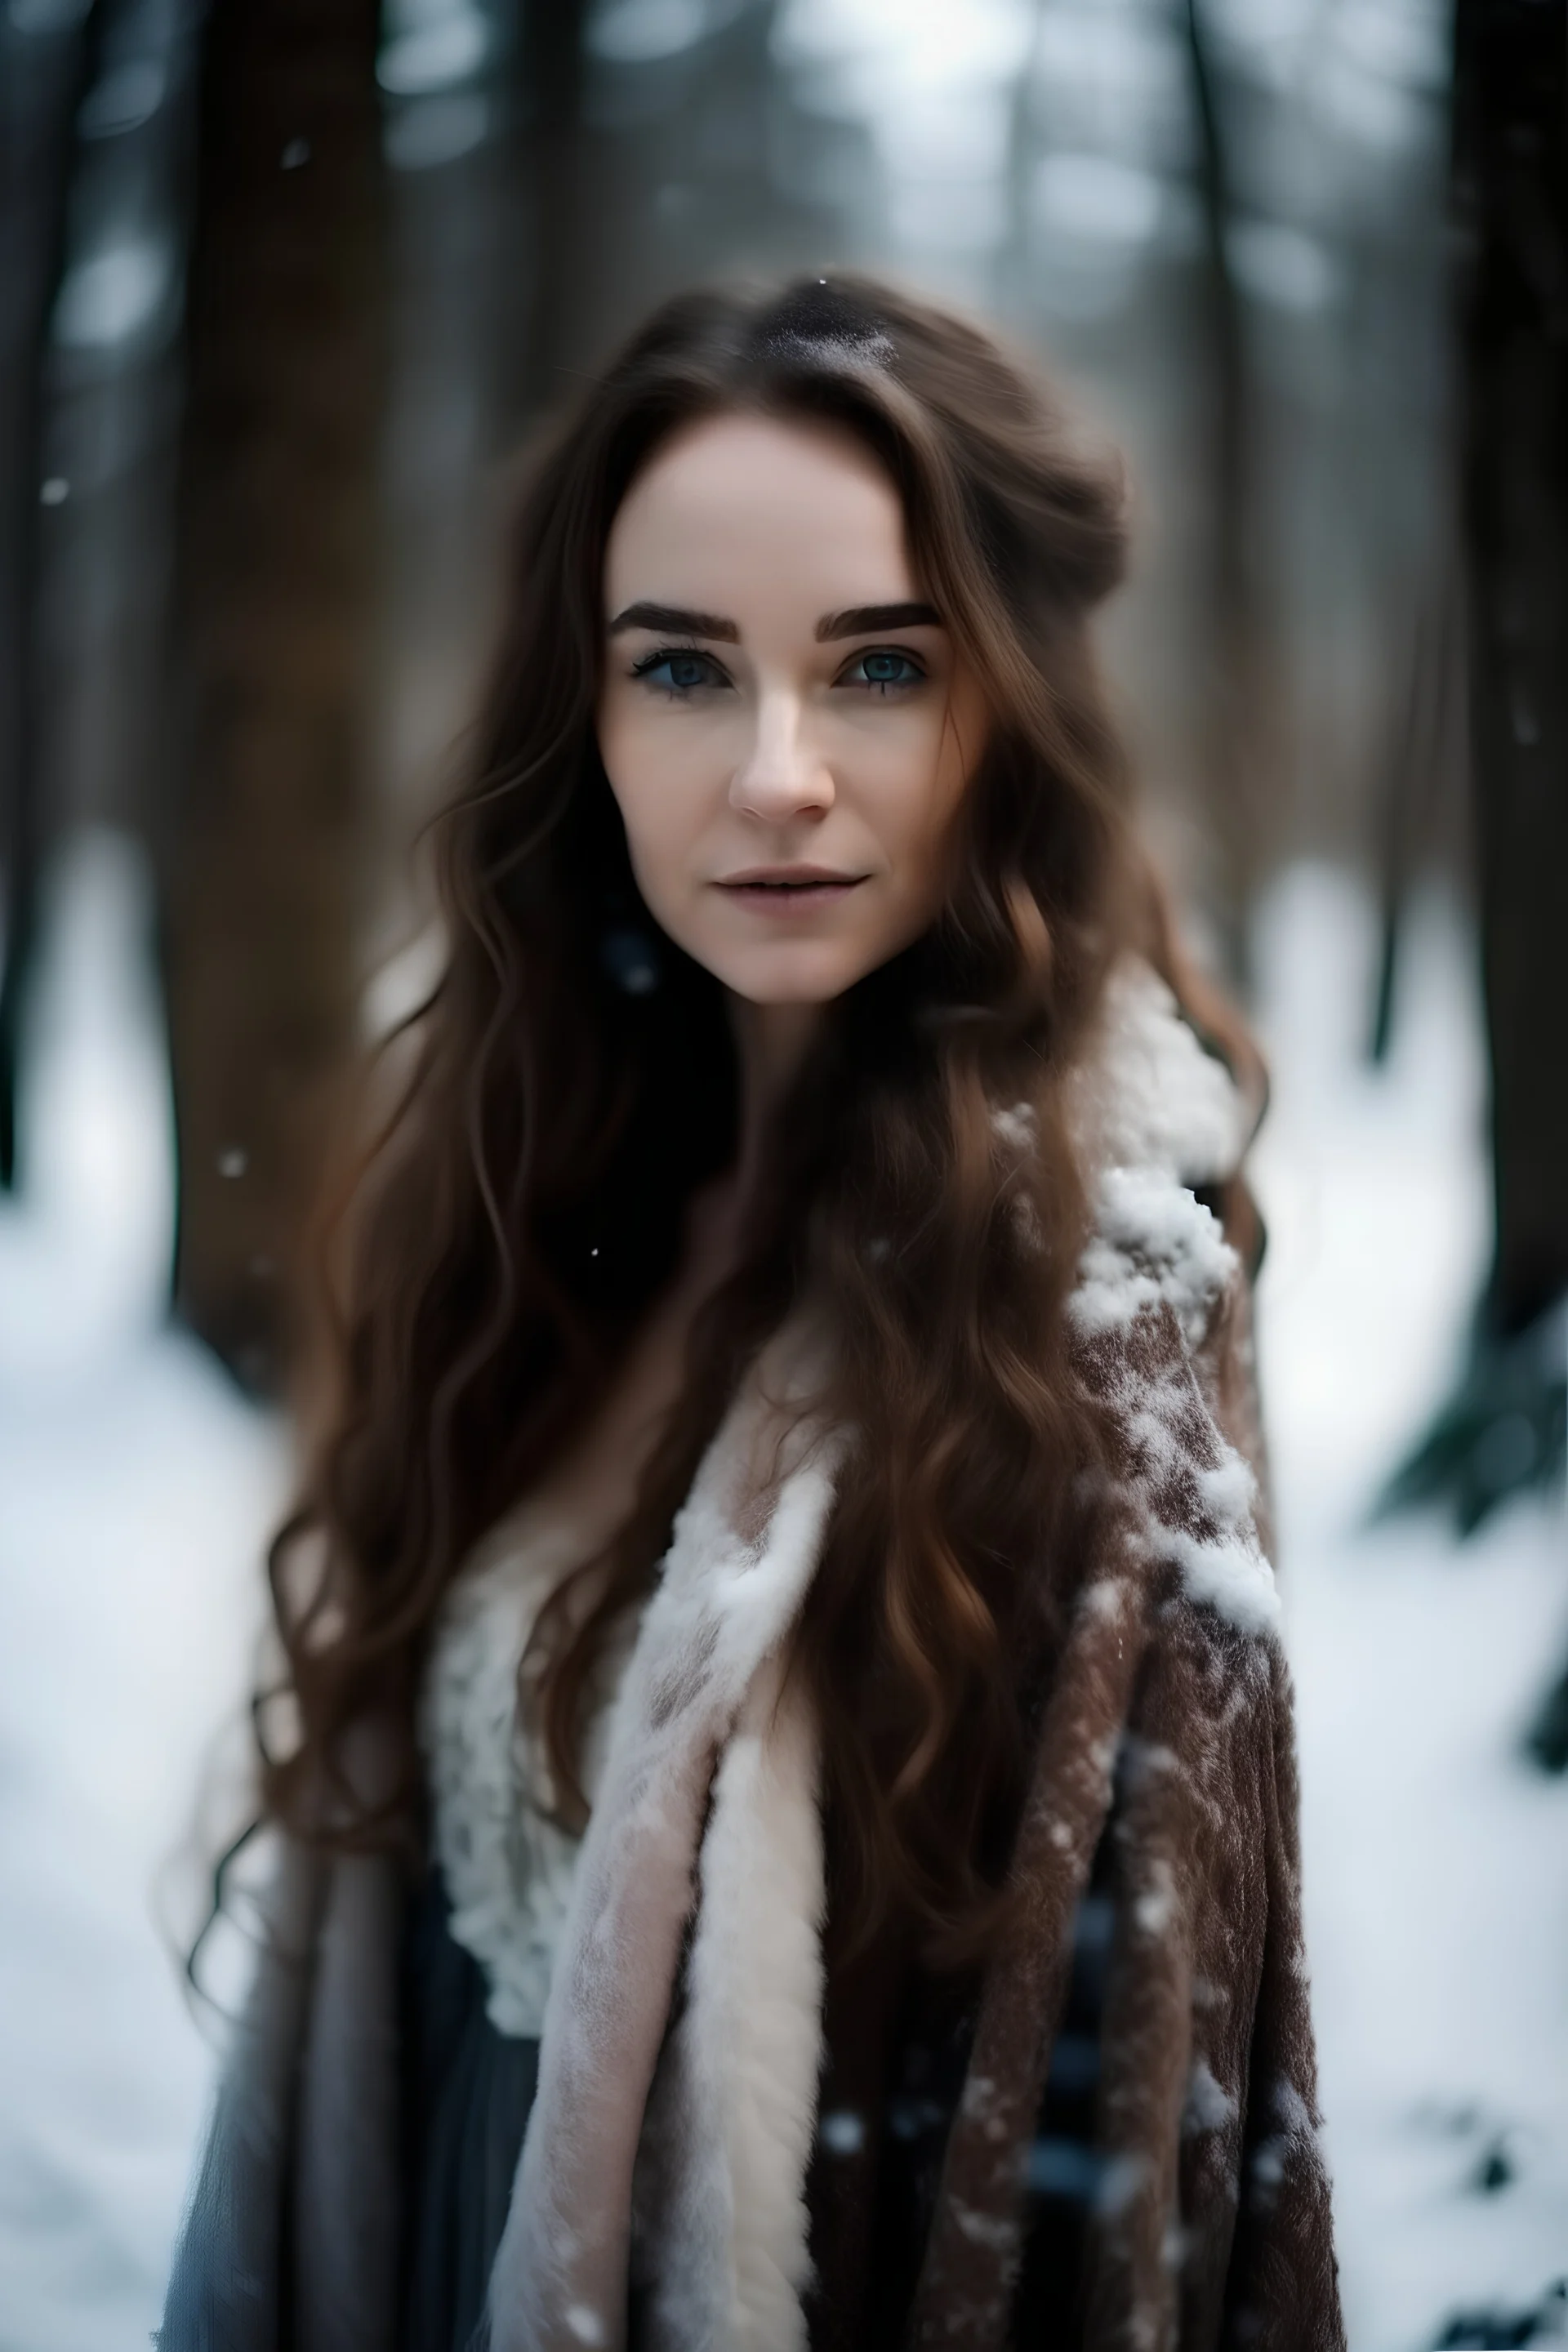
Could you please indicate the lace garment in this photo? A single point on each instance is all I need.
(508, 1866)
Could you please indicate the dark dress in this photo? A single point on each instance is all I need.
(897, 2043)
(466, 2092)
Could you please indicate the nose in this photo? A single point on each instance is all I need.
(782, 774)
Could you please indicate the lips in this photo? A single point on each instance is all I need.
(789, 891)
(791, 877)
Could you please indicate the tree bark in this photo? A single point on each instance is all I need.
(1511, 187)
(1233, 744)
(264, 833)
(1504, 1429)
(43, 74)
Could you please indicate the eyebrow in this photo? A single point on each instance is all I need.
(859, 621)
(674, 620)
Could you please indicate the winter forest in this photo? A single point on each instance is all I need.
(284, 286)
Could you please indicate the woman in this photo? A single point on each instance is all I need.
(790, 1826)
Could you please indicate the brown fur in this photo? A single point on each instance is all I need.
(1216, 2229)
(1217, 2232)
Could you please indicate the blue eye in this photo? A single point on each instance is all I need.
(885, 669)
(678, 671)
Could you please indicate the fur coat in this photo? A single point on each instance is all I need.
(683, 2043)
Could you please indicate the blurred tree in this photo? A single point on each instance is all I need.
(1233, 749)
(1421, 771)
(1512, 186)
(548, 75)
(1503, 1430)
(262, 847)
(43, 69)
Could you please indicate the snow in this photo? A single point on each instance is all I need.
(1229, 1573)
(136, 1490)
(1154, 1243)
(1209, 2103)
(139, 1488)
(1434, 1858)
(1151, 1097)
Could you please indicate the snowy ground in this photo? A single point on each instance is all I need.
(1436, 1863)
(136, 1491)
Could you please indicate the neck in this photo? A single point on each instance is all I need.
(772, 1041)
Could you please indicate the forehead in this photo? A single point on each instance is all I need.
(741, 510)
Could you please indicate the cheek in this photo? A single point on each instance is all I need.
(645, 779)
(916, 785)
(659, 779)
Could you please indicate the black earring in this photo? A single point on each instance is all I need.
(630, 958)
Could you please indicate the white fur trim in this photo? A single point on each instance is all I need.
(741, 2089)
(722, 1608)
(727, 2118)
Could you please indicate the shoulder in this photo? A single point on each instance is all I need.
(1161, 1126)
(1160, 1315)
(1148, 1093)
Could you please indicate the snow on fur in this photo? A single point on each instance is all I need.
(1148, 1095)
(707, 1818)
(1202, 1518)
(1154, 1243)
(1210, 2105)
(1222, 1563)
(1155, 1114)
(1231, 1577)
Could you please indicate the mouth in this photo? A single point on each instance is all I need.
(789, 889)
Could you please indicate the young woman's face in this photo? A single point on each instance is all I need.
(784, 721)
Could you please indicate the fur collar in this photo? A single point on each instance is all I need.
(711, 1786)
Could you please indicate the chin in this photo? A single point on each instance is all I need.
(802, 976)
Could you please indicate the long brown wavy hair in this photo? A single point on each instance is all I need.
(524, 1202)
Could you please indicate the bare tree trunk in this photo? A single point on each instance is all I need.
(549, 99)
(1512, 187)
(41, 74)
(264, 839)
(1503, 1430)
(1233, 702)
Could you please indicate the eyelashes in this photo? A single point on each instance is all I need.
(881, 664)
(676, 659)
(680, 671)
